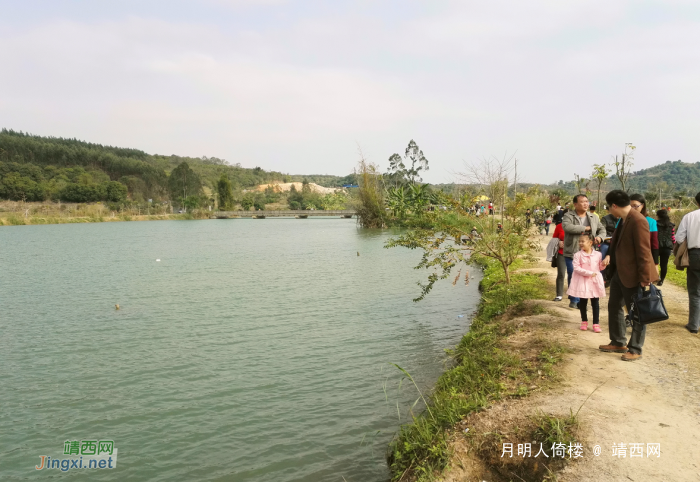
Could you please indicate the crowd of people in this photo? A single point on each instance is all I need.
(479, 209)
(621, 251)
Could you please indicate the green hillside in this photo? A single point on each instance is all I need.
(671, 176)
(35, 168)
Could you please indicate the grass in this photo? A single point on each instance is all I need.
(675, 276)
(485, 371)
(555, 430)
(13, 219)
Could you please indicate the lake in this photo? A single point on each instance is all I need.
(254, 350)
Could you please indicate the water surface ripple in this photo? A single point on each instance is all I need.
(255, 350)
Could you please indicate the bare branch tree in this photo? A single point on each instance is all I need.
(623, 166)
(492, 175)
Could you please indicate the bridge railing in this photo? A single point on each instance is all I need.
(288, 212)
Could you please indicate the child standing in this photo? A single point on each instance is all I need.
(586, 281)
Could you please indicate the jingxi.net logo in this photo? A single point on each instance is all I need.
(88, 454)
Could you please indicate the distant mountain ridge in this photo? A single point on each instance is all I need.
(678, 176)
(36, 168)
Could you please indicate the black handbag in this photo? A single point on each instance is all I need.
(554, 259)
(648, 306)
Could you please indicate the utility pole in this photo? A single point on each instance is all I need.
(515, 188)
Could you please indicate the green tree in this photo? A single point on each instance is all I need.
(225, 193)
(247, 201)
(115, 191)
(191, 202)
(272, 195)
(441, 255)
(651, 197)
(21, 188)
(82, 193)
(399, 171)
(259, 202)
(369, 204)
(599, 175)
(332, 201)
(295, 199)
(183, 182)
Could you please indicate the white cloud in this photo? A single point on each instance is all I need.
(564, 83)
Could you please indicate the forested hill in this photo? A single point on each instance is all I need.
(35, 168)
(675, 176)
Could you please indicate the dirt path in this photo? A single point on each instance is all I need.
(652, 400)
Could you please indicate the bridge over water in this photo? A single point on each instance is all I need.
(290, 213)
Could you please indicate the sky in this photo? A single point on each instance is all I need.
(302, 86)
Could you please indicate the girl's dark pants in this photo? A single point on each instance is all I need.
(595, 306)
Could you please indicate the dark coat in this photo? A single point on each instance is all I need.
(609, 222)
(633, 260)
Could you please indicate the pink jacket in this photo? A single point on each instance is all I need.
(583, 285)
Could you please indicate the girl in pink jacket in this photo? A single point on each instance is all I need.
(586, 281)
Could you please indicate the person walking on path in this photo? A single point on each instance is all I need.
(490, 208)
(561, 262)
(587, 282)
(667, 239)
(632, 266)
(528, 215)
(689, 230)
(639, 204)
(547, 224)
(574, 223)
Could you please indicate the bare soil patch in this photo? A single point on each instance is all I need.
(652, 400)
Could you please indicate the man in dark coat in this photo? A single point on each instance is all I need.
(632, 265)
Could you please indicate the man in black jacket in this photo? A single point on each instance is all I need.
(609, 221)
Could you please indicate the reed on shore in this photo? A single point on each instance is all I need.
(485, 371)
(20, 213)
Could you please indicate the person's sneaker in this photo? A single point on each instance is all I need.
(660, 283)
(557, 298)
(596, 328)
(694, 332)
(629, 356)
(613, 348)
(573, 305)
(584, 326)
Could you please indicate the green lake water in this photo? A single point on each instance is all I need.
(255, 350)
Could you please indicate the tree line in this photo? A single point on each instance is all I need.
(36, 168)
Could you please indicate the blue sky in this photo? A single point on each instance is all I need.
(297, 86)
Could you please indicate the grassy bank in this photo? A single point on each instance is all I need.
(19, 220)
(487, 369)
(17, 213)
(675, 276)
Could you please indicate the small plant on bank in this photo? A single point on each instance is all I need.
(555, 430)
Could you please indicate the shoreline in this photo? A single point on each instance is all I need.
(587, 397)
(43, 220)
(506, 356)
